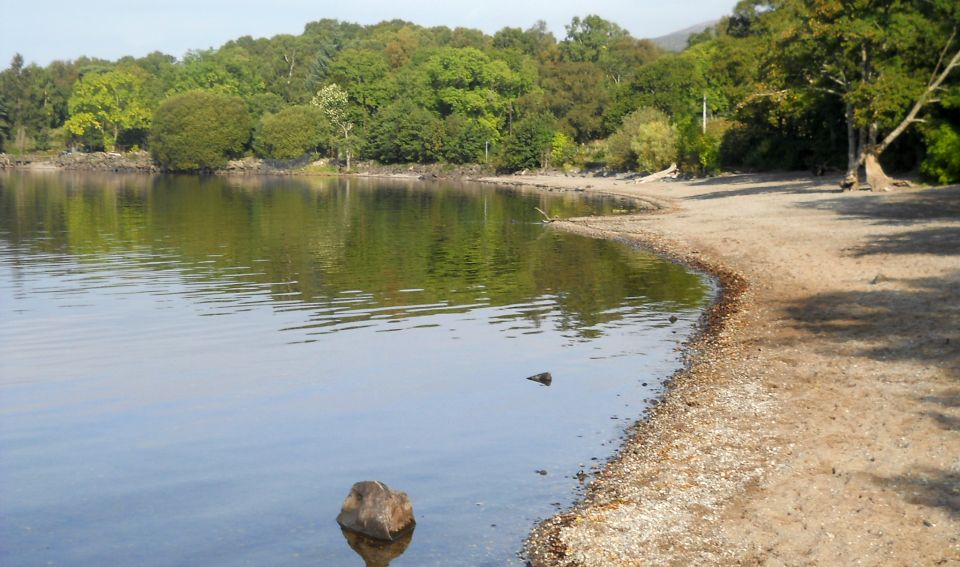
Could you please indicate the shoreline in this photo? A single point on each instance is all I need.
(818, 421)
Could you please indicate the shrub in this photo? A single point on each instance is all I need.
(199, 130)
(942, 162)
(563, 150)
(646, 141)
(291, 133)
(700, 153)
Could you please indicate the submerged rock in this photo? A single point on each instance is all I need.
(373, 509)
(544, 378)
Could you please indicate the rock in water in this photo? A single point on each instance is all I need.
(544, 378)
(374, 510)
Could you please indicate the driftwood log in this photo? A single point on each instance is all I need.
(546, 218)
(669, 172)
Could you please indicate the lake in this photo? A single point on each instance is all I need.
(195, 370)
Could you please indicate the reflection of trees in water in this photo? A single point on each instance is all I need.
(314, 238)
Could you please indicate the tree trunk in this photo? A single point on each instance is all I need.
(851, 181)
(876, 178)
(21, 139)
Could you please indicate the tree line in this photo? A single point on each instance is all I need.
(851, 85)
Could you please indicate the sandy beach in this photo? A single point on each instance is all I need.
(819, 420)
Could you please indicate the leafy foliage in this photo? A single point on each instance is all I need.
(199, 130)
(404, 133)
(529, 145)
(292, 132)
(782, 80)
(109, 104)
(333, 102)
(942, 162)
(647, 141)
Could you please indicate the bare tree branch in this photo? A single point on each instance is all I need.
(943, 53)
(924, 99)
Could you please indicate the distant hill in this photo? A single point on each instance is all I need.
(677, 41)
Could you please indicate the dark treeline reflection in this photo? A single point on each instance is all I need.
(406, 248)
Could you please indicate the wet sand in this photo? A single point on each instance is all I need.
(819, 420)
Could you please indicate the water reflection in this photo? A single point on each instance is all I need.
(377, 553)
(347, 252)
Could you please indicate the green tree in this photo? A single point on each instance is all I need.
(333, 102)
(942, 162)
(465, 140)
(886, 62)
(589, 38)
(363, 74)
(404, 132)
(108, 104)
(647, 141)
(529, 144)
(5, 125)
(562, 149)
(466, 81)
(199, 130)
(575, 92)
(229, 71)
(292, 132)
(26, 103)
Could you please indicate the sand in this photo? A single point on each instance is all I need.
(819, 420)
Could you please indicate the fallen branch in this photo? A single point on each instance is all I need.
(546, 218)
(669, 172)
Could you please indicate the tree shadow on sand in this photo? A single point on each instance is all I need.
(765, 185)
(903, 209)
(931, 488)
(948, 402)
(941, 241)
(912, 319)
(917, 321)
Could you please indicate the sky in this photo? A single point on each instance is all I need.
(45, 30)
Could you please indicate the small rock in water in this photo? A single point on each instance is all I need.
(373, 509)
(544, 378)
(673, 318)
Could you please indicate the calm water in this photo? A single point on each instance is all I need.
(195, 371)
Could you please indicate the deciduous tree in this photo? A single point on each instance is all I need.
(333, 101)
(199, 130)
(886, 61)
(109, 103)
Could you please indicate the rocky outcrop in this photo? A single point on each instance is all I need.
(107, 161)
(79, 161)
(246, 165)
(373, 509)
